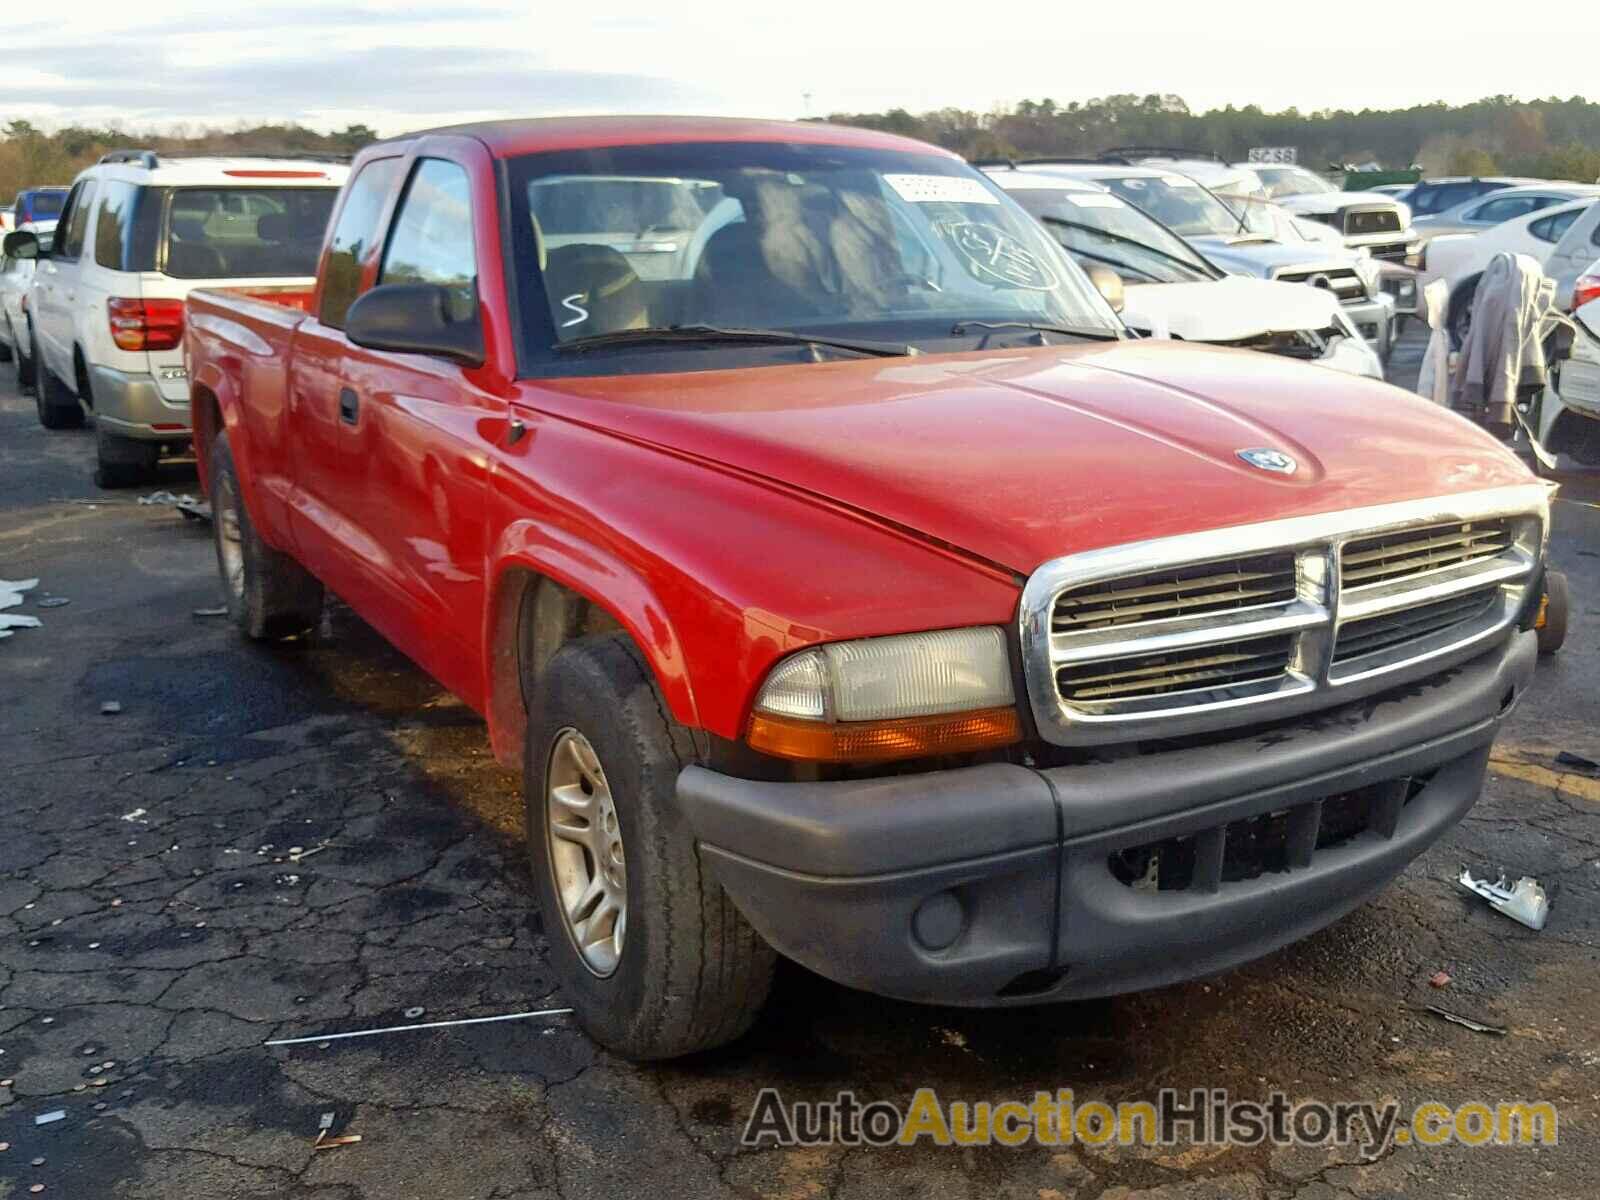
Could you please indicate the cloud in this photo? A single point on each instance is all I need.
(146, 81)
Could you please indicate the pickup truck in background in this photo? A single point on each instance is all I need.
(847, 582)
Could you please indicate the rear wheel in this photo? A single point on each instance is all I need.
(651, 953)
(269, 595)
(57, 407)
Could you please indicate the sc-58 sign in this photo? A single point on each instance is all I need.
(1275, 154)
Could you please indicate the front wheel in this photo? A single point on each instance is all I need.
(57, 407)
(269, 595)
(1551, 629)
(651, 953)
(22, 364)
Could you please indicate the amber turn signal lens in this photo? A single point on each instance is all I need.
(880, 741)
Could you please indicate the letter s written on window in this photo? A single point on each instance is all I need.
(574, 303)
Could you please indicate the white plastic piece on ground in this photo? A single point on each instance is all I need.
(1525, 901)
(18, 585)
(17, 621)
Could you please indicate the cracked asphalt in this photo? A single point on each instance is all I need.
(270, 843)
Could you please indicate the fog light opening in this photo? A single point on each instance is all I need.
(939, 921)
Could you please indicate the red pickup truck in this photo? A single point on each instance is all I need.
(848, 582)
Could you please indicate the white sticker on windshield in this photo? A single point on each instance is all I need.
(1094, 200)
(940, 189)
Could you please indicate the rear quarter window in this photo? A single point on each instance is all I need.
(113, 227)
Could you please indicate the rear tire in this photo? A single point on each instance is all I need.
(689, 973)
(1553, 633)
(123, 462)
(57, 407)
(269, 595)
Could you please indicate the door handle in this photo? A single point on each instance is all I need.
(349, 406)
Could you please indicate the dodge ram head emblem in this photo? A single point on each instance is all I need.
(1268, 460)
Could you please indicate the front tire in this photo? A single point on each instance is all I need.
(269, 595)
(1552, 634)
(650, 951)
(57, 407)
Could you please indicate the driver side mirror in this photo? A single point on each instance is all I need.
(22, 244)
(1109, 284)
(419, 318)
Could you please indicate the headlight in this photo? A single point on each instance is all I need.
(906, 696)
(1369, 269)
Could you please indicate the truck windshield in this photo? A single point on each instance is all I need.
(246, 233)
(1293, 181)
(1098, 228)
(1182, 205)
(842, 241)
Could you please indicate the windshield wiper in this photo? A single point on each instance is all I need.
(717, 333)
(1186, 264)
(1099, 335)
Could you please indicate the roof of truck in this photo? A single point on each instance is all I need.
(535, 134)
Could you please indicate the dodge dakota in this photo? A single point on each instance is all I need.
(849, 584)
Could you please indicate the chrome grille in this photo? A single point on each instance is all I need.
(1251, 661)
(1343, 282)
(1179, 592)
(1188, 634)
(1416, 553)
(1371, 635)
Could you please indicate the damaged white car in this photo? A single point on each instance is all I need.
(1166, 288)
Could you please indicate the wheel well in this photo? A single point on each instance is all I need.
(534, 616)
(1578, 436)
(80, 377)
(207, 415)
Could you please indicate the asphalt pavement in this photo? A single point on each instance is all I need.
(270, 843)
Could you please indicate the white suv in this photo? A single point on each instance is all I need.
(136, 234)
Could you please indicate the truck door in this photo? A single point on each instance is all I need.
(324, 463)
(428, 435)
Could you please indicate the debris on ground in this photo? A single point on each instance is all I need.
(1524, 901)
(110, 708)
(411, 1014)
(165, 497)
(324, 1142)
(195, 510)
(220, 610)
(1568, 759)
(55, 601)
(17, 621)
(1466, 1022)
(1439, 979)
(50, 1118)
(324, 1038)
(17, 585)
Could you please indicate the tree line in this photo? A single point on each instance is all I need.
(31, 157)
(1552, 139)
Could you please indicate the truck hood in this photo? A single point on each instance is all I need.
(1228, 310)
(1330, 202)
(1262, 259)
(1018, 456)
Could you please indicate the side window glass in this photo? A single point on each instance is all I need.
(431, 241)
(353, 237)
(78, 221)
(112, 227)
(1553, 229)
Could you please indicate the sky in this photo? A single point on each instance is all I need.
(156, 65)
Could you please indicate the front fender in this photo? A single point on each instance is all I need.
(532, 547)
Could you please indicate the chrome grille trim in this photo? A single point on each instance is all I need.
(1438, 564)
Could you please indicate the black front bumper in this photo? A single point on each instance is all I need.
(1001, 884)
